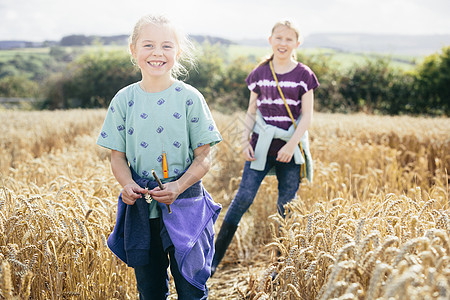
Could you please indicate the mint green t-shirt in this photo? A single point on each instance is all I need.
(144, 125)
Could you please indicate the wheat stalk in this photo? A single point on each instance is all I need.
(5, 283)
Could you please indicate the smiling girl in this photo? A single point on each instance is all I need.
(162, 126)
(279, 113)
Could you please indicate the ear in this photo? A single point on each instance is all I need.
(133, 50)
(298, 44)
(270, 40)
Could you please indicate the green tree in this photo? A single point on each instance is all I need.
(94, 78)
(376, 87)
(234, 93)
(61, 54)
(327, 96)
(54, 92)
(7, 69)
(400, 94)
(433, 84)
(18, 86)
(208, 74)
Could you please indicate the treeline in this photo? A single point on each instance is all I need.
(89, 40)
(67, 78)
(86, 40)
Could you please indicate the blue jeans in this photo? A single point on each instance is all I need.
(153, 280)
(288, 176)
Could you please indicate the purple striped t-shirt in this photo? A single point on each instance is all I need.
(293, 84)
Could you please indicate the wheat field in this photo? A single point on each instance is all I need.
(374, 224)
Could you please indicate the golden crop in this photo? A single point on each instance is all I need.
(373, 224)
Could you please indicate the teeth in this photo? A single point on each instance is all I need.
(156, 64)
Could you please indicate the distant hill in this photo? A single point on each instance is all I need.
(378, 43)
(5, 45)
(346, 42)
(85, 40)
(82, 40)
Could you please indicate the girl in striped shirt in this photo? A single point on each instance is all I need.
(271, 140)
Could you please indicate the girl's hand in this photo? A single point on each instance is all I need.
(286, 152)
(168, 195)
(248, 152)
(131, 192)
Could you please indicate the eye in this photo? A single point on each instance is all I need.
(167, 47)
(148, 45)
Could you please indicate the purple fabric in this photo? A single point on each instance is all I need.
(190, 227)
(293, 84)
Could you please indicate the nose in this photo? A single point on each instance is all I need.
(157, 51)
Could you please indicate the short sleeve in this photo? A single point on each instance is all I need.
(202, 128)
(310, 79)
(252, 80)
(112, 134)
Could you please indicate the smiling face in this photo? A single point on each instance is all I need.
(284, 41)
(155, 50)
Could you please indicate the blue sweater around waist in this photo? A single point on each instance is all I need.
(190, 227)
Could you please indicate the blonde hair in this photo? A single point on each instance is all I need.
(185, 46)
(291, 25)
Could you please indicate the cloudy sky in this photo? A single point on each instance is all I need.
(38, 20)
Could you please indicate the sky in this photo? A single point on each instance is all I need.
(39, 20)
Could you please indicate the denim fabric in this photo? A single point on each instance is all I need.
(288, 175)
(153, 279)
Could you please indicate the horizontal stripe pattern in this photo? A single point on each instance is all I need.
(269, 102)
(278, 119)
(283, 84)
(278, 101)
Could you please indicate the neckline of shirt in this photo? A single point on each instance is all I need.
(171, 87)
(282, 74)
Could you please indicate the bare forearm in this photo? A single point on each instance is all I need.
(250, 118)
(120, 168)
(249, 123)
(302, 126)
(131, 191)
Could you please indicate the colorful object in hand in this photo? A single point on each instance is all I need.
(165, 169)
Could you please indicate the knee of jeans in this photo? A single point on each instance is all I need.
(242, 202)
(245, 196)
(236, 210)
(288, 190)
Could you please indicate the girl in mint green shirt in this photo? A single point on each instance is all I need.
(156, 117)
